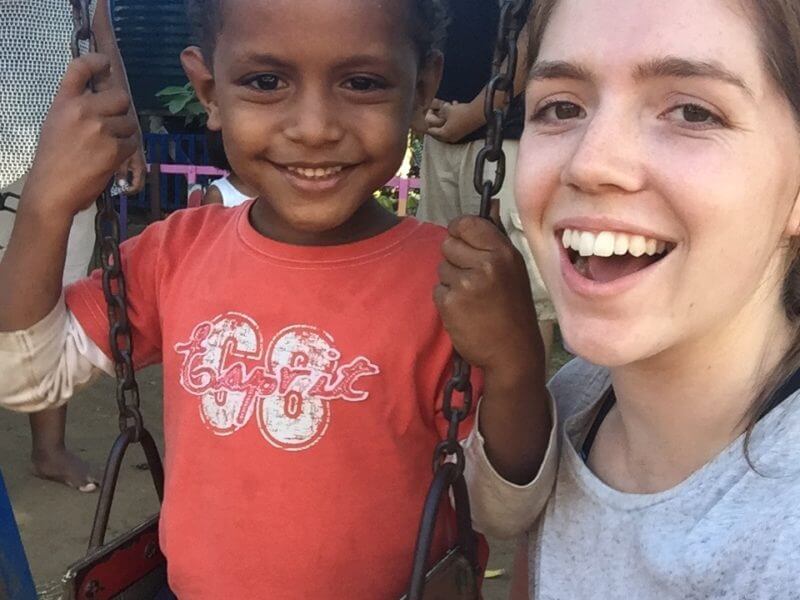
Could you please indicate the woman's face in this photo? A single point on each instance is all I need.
(660, 152)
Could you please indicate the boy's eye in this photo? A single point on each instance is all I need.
(364, 84)
(559, 111)
(266, 82)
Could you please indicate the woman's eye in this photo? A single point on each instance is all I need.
(559, 111)
(266, 83)
(694, 116)
(364, 84)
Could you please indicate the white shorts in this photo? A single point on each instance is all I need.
(447, 192)
(81, 236)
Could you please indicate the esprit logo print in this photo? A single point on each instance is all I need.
(289, 387)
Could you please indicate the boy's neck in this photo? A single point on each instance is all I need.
(369, 220)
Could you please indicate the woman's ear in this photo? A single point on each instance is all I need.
(202, 79)
(430, 76)
(793, 222)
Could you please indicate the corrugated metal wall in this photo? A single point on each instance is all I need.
(151, 35)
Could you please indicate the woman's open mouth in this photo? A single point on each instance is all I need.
(608, 256)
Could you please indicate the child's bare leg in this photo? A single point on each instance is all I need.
(50, 457)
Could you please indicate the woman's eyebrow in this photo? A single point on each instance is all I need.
(680, 67)
(558, 69)
(657, 68)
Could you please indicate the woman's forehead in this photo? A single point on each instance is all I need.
(628, 35)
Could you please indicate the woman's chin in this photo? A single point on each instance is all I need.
(610, 346)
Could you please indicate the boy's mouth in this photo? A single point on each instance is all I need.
(607, 256)
(319, 178)
(315, 173)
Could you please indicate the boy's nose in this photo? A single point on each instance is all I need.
(314, 122)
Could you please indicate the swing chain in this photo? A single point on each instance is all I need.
(499, 94)
(513, 14)
(107, 229)
(82, 26)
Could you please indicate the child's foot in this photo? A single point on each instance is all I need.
(64, 467)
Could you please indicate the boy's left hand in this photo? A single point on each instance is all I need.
(484, 298)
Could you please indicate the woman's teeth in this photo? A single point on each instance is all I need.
(608, 243)
(315, 173)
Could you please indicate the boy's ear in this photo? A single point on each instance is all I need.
(203, 82)
(430, 76)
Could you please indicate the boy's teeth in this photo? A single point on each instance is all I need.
(315, 173)
(608, 243)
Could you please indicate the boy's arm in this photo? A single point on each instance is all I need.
(485, 302)
(499, 507)
(136, 164)
(65, 178)
(43, 366)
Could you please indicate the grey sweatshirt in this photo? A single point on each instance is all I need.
(725, 532)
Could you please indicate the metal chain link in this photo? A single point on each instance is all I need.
(107, 229)
(513, 14)
(448, 457)
(5, 196)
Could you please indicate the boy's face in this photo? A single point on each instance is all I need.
(314, 99)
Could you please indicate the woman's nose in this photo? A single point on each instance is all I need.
(608, 156)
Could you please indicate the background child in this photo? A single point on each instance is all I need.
(229, 191)
(303, 359)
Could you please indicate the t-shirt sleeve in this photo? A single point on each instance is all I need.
(141, 259)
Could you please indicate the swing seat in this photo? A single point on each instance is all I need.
(452, 578)
(131, 567)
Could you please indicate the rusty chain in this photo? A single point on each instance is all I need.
(448, 458)
(107, 229)
(513, 14)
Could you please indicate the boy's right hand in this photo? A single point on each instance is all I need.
(84, 139)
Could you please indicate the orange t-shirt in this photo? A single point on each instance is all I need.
(302, 388)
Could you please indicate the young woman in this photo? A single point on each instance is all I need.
(658, 185)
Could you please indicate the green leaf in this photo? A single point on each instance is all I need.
(177, 105)
(172, 90)
(195, 108)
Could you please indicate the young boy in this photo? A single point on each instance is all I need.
(303, 358)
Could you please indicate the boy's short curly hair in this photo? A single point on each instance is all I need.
(428, 24)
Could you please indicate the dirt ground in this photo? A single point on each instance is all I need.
(55, 521)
